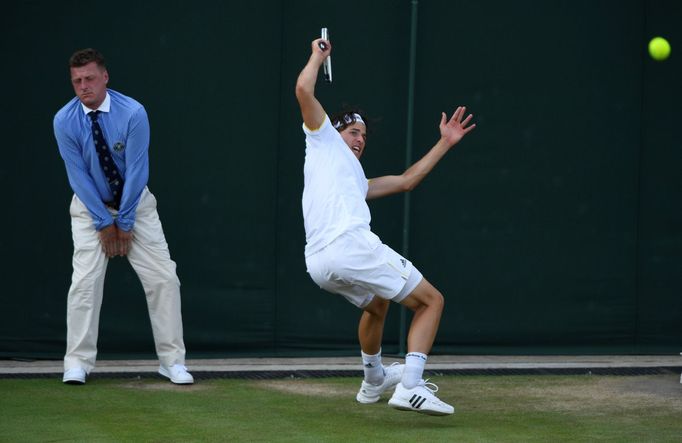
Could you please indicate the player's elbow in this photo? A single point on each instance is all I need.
(407, 187)
(408, 183)
(302, 91)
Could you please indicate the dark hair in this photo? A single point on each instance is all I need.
(343, 119)
(84, 56)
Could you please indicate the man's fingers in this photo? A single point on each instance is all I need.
(454, 116)
(121, 248)
(467, 120)
(466, 130)
(321, 45)
(125, 241)
(125, 247)
(457, 115)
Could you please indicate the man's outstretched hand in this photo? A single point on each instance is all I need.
(452, 131)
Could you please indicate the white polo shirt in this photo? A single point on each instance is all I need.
(335, 188)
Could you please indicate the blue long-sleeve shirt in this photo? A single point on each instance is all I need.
(125, 127)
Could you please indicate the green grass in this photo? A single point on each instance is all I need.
(488, 409)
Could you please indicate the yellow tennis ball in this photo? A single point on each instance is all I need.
(659, 48)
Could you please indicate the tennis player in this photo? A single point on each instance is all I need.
(344, 257)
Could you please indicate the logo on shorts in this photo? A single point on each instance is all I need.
(404, 262)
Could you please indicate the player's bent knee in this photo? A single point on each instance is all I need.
(424, 296)
(437, 300)
(378, 306)
(433, 298)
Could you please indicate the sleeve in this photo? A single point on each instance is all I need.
(137, 169)
(322, 137)
(79, 177)
(319, 131)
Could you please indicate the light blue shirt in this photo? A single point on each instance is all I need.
(125, 127)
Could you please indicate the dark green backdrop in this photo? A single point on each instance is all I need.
(555, 227)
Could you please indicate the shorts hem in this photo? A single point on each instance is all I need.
(412, 282)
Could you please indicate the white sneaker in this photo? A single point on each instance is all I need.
(421, 399)
(75, 376)
(177, 374)
(369, 393)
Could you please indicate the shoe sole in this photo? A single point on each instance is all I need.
(407, 407)
(366, 400)
(69, 379)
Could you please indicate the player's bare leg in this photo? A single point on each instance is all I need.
(378, 378)
(427, 303)
(371, 327)
(413, 393)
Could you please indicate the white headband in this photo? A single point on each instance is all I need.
(350, 119)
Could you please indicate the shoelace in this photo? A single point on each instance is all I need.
(389, 366)
(429, 385)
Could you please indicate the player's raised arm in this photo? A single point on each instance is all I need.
(451, 132)
(311, 109)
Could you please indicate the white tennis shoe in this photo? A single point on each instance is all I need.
(369, 393)
(420, 399)
(177, 374)
(75, 376)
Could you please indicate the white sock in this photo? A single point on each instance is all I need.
(374, 371)
(414, 369)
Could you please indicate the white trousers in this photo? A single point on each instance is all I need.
(150, 258)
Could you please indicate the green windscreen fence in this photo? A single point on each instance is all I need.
(554, 227)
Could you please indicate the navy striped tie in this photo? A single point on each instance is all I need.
(106, 162)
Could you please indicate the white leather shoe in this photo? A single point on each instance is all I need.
(420, 399)
(371, 393)
(177, 374)
(75, 376)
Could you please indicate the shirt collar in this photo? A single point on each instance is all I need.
(104, 107)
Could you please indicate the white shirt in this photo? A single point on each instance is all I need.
(335, 188)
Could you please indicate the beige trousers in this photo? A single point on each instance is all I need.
(150, 258)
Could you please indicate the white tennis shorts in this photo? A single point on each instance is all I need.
(358, 266)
